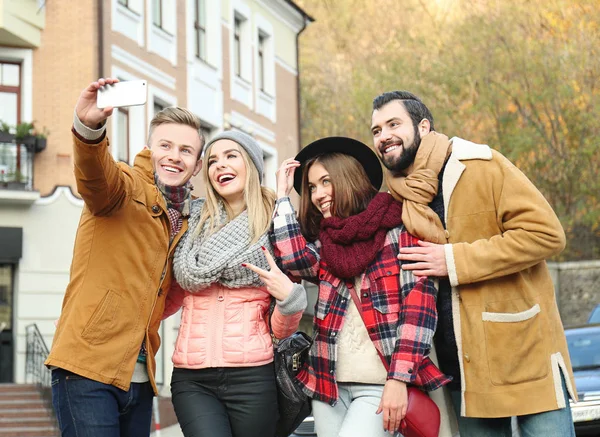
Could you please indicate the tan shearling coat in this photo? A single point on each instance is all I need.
(121, 269)
(500, 230)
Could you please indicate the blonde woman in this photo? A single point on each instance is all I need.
(223, 383)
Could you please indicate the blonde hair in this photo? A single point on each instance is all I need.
(177, 115)
(259, 200)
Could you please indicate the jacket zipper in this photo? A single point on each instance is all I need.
(217, 329)
(146, 334)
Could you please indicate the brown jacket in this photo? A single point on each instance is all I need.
(511, 343)
(121, 269)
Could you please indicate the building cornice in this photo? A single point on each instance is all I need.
(288, 12)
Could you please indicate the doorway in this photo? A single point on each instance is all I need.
(6, 322)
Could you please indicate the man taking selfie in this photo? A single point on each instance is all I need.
(102, 356)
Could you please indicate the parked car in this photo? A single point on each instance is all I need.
(584, 349)
(595, 315)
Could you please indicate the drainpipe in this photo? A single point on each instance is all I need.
(100, 38)
(305, 23)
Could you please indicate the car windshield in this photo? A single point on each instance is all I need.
(584, 348)
(595, 316)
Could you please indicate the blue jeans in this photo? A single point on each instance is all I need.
(555, 423)
(354, 415)
(87, 408)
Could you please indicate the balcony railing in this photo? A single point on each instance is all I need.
(16, 166)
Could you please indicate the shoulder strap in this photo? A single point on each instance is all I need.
(358, 304)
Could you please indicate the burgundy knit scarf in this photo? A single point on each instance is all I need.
(349, 245)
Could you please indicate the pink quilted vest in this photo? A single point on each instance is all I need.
(226, 327)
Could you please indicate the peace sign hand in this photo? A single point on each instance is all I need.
(278, 284)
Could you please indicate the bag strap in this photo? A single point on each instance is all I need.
(368, 319)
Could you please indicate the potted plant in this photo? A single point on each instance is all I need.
(5, 135)
(41, 138)
(24, 134)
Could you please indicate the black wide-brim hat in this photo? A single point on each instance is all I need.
(348, 146)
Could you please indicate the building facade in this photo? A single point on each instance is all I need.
(232, 62)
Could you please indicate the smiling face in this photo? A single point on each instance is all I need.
(227, 170)
(320, 188)
(175, 151)
(395, 137)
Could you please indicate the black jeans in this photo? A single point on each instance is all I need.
(226, 401)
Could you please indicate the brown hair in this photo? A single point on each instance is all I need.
(177, 115)
(352, 191)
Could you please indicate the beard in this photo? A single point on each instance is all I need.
(397, 164)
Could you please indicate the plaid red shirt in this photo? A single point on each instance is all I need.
(401, 307)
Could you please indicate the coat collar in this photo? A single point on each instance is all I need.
(462, 150)
(143, 163)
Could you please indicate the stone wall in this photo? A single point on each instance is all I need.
(577, 289)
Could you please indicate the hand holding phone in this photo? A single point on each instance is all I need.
(87, 110)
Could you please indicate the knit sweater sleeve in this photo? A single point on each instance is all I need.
(295, 255)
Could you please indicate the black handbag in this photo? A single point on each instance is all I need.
(290, 354)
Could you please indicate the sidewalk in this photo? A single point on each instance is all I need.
(170, 431)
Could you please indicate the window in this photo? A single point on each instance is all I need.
(261, 61)
(12, 165)
(10, 93)
(237, 46)
(158, 106)
(200, 26)
(122, 121)
(157, 17)
(270, 166)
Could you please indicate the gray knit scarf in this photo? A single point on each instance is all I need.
(201, 261)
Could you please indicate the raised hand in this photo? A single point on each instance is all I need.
(278, 284)
(285, 177)
(86, 109)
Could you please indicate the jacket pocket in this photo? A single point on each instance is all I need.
(103, 320)
(515, 346)
(386, 293)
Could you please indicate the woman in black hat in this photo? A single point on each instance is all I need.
(373, 322)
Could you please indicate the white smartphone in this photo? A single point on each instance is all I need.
(126, 93)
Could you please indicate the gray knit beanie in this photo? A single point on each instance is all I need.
(247, 142)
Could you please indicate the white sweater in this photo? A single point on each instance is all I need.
(357, 358)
